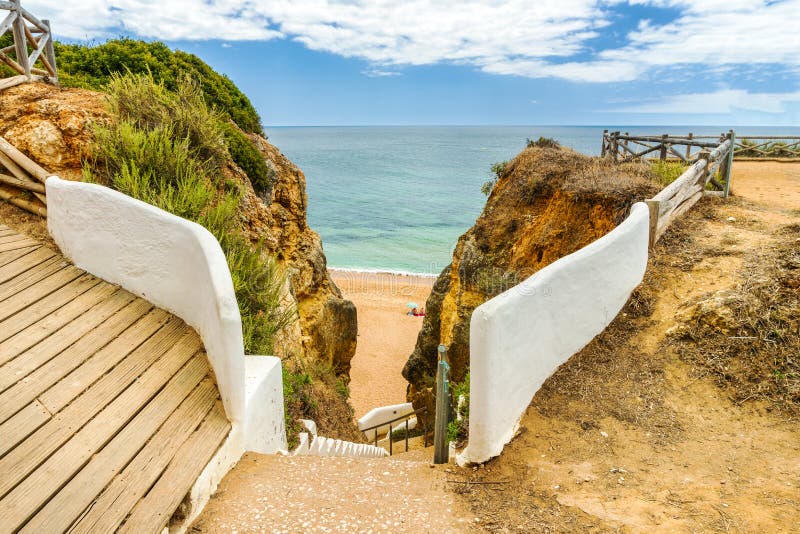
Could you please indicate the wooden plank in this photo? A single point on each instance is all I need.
(111, 507)
(31, 277)
(153, 512)
(184, 389)
(60, 394)
(16, 245)
(30, 313)
(96, 415)
(22, 425)
(7, 257)
(22, 264)
(27, 497)
(41, 329)
(31, 378)
(12, 237)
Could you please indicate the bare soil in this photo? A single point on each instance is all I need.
(629, 435)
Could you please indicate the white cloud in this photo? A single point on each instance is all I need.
(548, 38)
(721, 101)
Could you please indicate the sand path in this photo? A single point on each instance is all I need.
(386, 335)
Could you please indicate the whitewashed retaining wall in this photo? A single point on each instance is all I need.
(179, 266)
(519, 338)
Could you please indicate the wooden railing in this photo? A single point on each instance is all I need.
(689, 187)
(33, 42)
(767, 146)
(622, 146)
(625, 147)
(22, 180)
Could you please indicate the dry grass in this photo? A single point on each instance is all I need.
(748, 338)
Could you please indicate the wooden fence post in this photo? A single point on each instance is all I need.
(603, 149)
(729, 165)
(689, 146)
(441, 451)
(663, 155)
(615, 146)
(20, 41)
(50, 52)
(655, 207)
(705, 154)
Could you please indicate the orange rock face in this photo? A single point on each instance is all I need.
(548, 203)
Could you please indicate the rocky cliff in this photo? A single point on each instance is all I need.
(53, 126)
(547, 203)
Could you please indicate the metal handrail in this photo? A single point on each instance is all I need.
(405, 417)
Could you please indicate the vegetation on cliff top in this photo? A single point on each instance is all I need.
(168, 149)
(93, 67)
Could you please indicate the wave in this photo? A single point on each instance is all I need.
(392, 272)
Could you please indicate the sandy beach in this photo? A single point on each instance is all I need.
(386, 335)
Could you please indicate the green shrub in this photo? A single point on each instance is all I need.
(92, 66)
(457, 431)
(249, 159)
(296, 398)
(543, 142)
(497, 169)
(166, 150)
(667, 171)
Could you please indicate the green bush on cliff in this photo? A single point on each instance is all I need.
(166, 148)
(93, 66)
(248, 158)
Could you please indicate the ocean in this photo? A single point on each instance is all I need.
(396, 199)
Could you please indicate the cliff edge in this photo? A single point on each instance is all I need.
(54, 127)
(547, 203)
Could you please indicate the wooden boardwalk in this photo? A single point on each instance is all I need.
(108, 407)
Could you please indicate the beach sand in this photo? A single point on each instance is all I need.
(386, 335)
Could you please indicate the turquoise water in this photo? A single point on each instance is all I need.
(397, 198)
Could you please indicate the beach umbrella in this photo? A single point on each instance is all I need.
(412, 305)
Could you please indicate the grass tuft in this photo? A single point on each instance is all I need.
(167, 148)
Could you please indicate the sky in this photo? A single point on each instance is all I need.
(548, 62)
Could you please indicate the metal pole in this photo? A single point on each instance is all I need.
(729, 166)
(441, 451)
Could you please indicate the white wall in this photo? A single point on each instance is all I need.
(173, 263)
(519, 338)
(179, 266)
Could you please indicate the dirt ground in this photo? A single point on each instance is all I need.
(386, 335)
(627, 436)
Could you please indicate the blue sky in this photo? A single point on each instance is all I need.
(326, 62)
